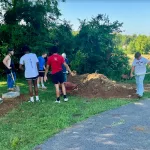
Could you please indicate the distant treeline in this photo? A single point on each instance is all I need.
(133, 43)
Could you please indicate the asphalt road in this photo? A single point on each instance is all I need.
(124, 128)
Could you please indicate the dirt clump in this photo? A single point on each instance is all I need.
(9, 104)
(97, 85)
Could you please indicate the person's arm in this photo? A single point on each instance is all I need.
(132, 70)
(147, 61)
(21, 63)
(68, 68)
(21, 67)
(37, 61)
(46, 71)
(37, 64)
(44, 67)
(5, 62)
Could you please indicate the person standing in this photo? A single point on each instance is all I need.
(139, 68)
(10, 69)
(65, 72)
(30, 62)
(55, 61)
(41, 70)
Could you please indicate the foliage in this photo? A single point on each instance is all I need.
(62, 36)
(118, 64)
(28, 22)
(37, 24)
(131, 44)
(95, 41)
(78, 61)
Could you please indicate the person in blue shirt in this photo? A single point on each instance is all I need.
(65, 72)
(42, 64)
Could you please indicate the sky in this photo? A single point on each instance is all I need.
(135, 14)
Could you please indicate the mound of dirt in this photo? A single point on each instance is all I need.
(9, 104)
(97, 85)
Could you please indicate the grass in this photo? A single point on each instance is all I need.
(31, 124)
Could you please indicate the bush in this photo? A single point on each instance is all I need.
(78, 62)
(118, 64)
(113, 66)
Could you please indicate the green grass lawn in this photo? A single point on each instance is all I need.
(31, 124)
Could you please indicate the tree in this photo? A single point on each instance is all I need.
(95, 41)
(142, 44)
(28, 22)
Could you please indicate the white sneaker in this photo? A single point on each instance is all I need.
(31, 101)
(44, 87)
(65, 99)
(57, 101)
(1, 100)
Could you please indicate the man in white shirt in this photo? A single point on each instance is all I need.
(30, 62)
(139, 68)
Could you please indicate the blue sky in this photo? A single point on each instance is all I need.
(135, 14)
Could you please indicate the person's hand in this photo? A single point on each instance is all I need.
(9, 68)
(72, 74)
(131, 75)
(45, 78)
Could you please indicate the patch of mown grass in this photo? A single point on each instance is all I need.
(31, 124)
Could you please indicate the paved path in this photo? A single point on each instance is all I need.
(124, 128)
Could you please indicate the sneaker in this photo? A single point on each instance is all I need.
(38, 101)
(65, 99)
(44, 87)
(57, 101)
(31, 101)
(38, 86)
(1, 100)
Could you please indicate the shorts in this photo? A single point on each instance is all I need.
(58, 78)
(41, 73)
(33, 78)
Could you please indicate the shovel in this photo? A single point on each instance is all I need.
(141, 74)
(16, 88)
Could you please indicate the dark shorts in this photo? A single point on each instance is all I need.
(41, 73)
(58, 77)
(33, 78)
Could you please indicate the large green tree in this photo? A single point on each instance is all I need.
(97, 47)
(28, 22)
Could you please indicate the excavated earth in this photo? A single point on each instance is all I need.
(97, 85)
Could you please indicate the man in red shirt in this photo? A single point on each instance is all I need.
(56, 61)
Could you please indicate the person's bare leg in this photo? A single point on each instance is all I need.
(57, 92)
(36, 89)
(38, 82)
(42, 83)
(30, 90)
(63, 88)
(64, 92)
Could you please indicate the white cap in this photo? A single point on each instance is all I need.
(64, 55)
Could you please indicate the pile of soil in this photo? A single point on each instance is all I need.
(9, 104)
(97, 85)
